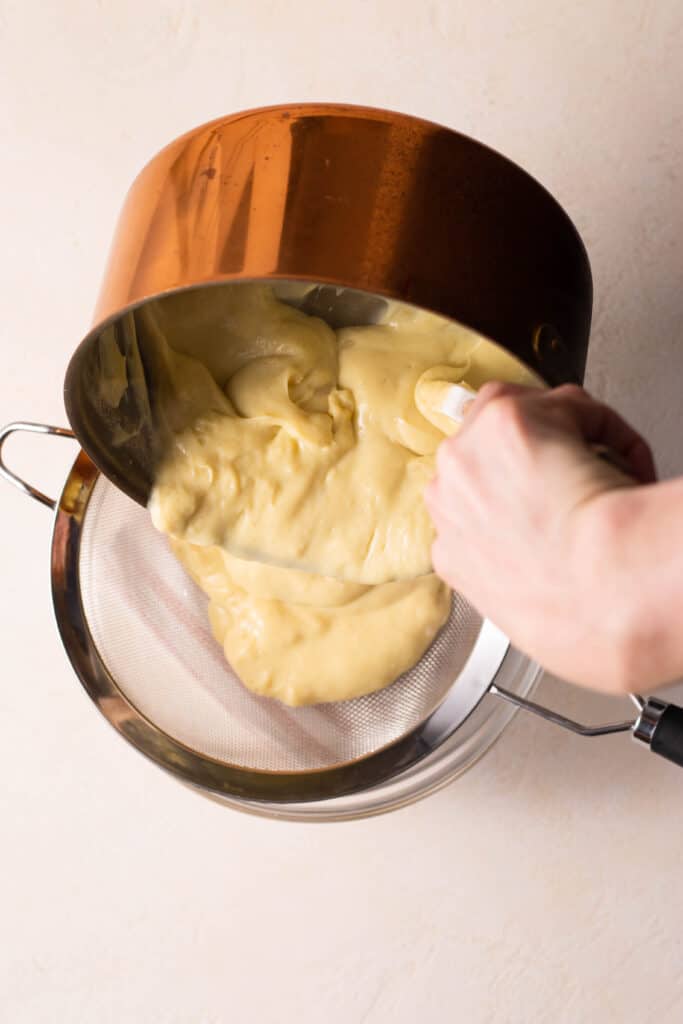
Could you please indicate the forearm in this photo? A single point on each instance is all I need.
(633, 541)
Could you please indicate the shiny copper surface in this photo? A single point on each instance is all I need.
(351, 196)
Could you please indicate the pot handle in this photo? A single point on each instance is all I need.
(7, 474)
(658, 724)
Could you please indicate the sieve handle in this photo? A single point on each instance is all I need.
(17, 481)
(558, 719)
(660, 725)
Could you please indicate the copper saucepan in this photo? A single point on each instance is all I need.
(376, 202)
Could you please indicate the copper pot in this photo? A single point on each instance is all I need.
(348, 196)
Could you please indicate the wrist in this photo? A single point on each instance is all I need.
(607, 561)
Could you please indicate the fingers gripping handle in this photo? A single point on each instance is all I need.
(660, 725)
(17, 481)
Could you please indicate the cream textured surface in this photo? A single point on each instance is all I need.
(545, 885)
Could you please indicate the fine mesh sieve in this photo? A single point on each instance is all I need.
(133, 627)
(149, 623)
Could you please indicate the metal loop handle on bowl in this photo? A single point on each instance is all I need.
(658, 724)
(17, 481)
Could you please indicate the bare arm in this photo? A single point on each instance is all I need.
(579, 566)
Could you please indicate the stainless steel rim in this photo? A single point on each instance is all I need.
(447, 762)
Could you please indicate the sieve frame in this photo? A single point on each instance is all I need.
(443, 746)
(200, 770)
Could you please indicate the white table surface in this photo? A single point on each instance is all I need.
(545, 885)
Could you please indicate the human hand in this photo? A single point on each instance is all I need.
(524, 530)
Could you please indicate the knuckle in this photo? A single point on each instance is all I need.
(506, 413)
(570, 392)
(492, 390)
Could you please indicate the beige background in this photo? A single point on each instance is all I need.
(546, 884)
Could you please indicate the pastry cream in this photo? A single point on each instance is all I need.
(292, 486)
(312, 453)
(306, 639)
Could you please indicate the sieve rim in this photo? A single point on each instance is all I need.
(455, 756)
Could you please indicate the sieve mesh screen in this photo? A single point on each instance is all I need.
(149, 623)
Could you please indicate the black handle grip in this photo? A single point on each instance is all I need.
(667, 738)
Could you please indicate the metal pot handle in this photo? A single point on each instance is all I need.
(31, 428)
(658, 724)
